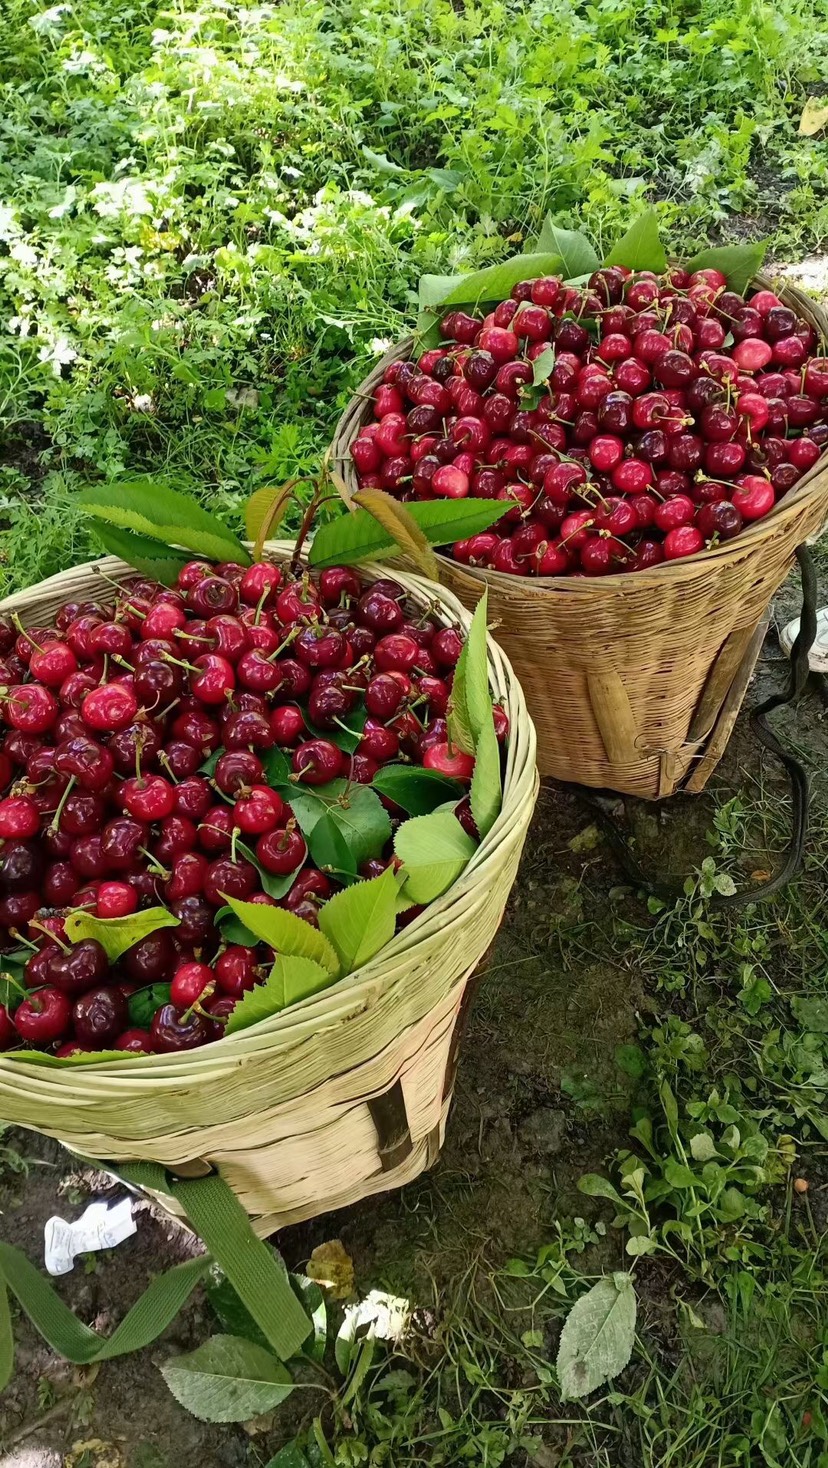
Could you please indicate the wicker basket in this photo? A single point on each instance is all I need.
(634, 682)
(342, 1095)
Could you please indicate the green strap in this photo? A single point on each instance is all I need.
(257, 1273)
(258, 1276)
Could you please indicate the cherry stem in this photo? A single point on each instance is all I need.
(55, 821)
(155, 865)
(53, 937)
(22, 630)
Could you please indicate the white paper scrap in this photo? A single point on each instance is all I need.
(102, 1226)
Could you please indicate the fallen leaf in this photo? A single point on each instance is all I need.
(586, 840)
(814, 117)
(329, 1265)
(760, 875)
(94, 1453)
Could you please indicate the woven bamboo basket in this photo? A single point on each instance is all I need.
(344, 1094)
(634, 682)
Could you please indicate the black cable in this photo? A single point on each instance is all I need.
(800, 794)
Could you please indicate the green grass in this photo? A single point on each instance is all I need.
(211, 216)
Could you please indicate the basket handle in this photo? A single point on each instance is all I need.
(257, 1274)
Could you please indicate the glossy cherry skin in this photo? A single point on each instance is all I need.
(84, 967)
(99, 1016)
(171, 1031)
(152, 960)
(445, 759)
(109, 708)
(195, 917)
(19, 818)
(148, 798)
(116, 900)
(236, 970)
(282, 851)
(318, 761)
(43, 1018)
(227, 878)
(259, 811)
(134, 1042)
(189, 983)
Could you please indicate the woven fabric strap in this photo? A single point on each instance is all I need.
(256, 1273)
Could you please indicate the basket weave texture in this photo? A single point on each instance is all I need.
(634, 681)
(344, 1094)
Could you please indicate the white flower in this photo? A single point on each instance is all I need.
(60, 353)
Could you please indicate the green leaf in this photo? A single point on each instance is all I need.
(289, 1457)
(277, 769)
(434, 850)
(233, 931)
(144, 1002)
(576, 253)
(641, 247)
(414, 789)
(401, 525)
(381, 163)
(344, 824)
(812, 1014)
(151, 557)
(233, 1317)
(703, 1147)
(357, 536)
(493, 283)
(118, 934)
(679, 1176)
(738, 262)
(640, 1244)
(289, 980)
(228, 1379)
(312, 1299)
(286, 933)
(598, 1337)
(485, 793)
(361, 919)
(470, 705)
(542, 366)
(150, 507)
(209, 766)
(595, 1186)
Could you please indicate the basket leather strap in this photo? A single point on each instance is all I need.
(256, 1273)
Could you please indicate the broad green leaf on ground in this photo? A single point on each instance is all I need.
(434, 850)
(812, 1014)
(361, 919)
(414, 789)
(144, 1002)
(118, 934)
(470, 704)
(289, 980)
(738, 262)
(150, 507)
(289, 1457)
(598, 1336)
(313, 1301)
(641, 247)
(286, 933)
(493, 283)
(228, 1379)
(578, 256)
(235, 1319)
(596, 1186)
(150, 557)
(358, 536)
(398, 520)
(485, 793)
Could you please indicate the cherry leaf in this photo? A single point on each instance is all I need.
(641, 247)
(598, 1337)
(290, 979)
(360, 920)
(397, 519)
(149, 507)
(434, 851)
(228, 1379)
(116, 935)
(414, 789)
(285, 932)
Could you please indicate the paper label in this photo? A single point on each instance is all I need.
(102, 1226)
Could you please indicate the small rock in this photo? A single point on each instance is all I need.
(543, 1130)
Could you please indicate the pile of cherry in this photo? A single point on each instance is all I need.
(671, 412)
(110, 717)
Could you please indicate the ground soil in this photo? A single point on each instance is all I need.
(539, 1101)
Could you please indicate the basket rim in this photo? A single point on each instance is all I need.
(810, 488)
(520, 786)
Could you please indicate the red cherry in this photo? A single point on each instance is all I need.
(109, 708)
(685, 540)
(116, 900)
(605, 451)
(236, 970)
(31, 708)
(753, 496)
(148, 798)
(19, 818)
(214, 678)
(318, 761)
(44, 1017)
(189, 983)
(259, 811)
(445, 759)
(499, 341)
(134, 1042)
(672, 514)
(281, 852)
(53, 664)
